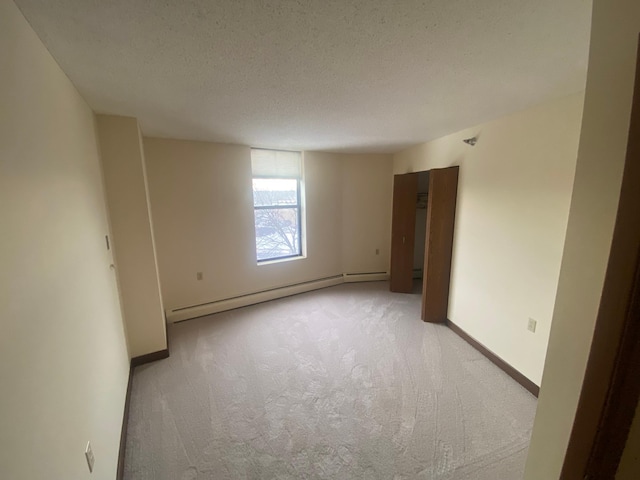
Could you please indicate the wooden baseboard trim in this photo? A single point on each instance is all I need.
(501, 364)
(123, 431)
(135, 362)
(149, 357)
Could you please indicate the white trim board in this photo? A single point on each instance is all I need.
(194, 311)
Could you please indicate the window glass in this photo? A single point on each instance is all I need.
(277, 204)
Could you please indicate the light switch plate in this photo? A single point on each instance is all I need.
(531, 326)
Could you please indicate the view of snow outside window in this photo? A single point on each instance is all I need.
(277, 217)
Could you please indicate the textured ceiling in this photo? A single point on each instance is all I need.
(336, 75)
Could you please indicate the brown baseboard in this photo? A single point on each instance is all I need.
(135, 362)
(501, 364)
(123, 432)
(149, 357)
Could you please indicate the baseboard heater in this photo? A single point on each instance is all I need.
(194, 311)
(365, 277)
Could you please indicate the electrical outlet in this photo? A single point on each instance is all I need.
(531, 326)
(377, 251)
(199, 275)
(88, 453)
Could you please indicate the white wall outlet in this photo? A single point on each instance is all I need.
(199, 275)
(88, 453)
(531, 326)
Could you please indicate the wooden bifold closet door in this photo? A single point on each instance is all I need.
(441, 213)
(441, 210)
(403, 226)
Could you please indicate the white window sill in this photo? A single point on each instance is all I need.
(281, 260)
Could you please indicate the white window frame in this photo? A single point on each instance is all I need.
(301, 233)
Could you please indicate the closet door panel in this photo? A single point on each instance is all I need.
(403, 223)
(441, 211)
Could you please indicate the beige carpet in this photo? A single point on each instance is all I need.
(345, 383)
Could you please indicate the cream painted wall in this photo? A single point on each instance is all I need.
(605, 128)
(366, 212)
(513, 202)
(123, 164)
(63, 356)
(202, 204)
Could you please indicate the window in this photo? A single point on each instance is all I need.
(277, 203)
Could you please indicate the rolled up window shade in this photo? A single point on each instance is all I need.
(276, 163)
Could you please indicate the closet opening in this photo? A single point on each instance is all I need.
(420, 236)
(422, 225)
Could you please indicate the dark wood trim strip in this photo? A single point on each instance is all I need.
(123, 432)
(149, 357)
(501, 364)
(135, 362)
(622, 397)
(611, 385)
